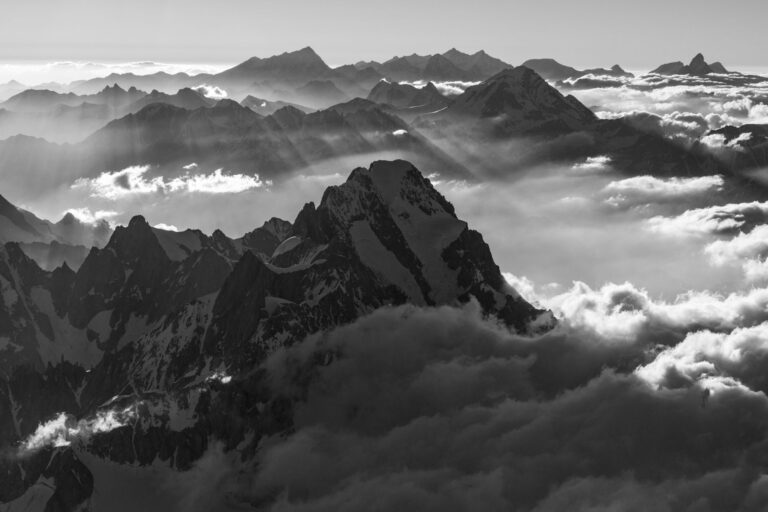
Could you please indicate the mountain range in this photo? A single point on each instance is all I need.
(158, 321)
(481, 128)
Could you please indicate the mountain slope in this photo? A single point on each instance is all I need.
(516, 101)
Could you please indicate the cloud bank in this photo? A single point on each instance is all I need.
(440, 409)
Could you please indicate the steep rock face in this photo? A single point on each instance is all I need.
(384, 237)
(190, 372)
(30, 298)
(132, 282)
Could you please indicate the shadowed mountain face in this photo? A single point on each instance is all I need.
(157, 318)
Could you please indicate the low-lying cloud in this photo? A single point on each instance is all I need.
(720, 219)
(64, 429)
(450, 88)
(650, 189)
(211, 91)
(440, 409)
(134, 181)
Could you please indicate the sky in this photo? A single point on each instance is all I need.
(635, 34)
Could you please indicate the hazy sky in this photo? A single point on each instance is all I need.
(637, 34)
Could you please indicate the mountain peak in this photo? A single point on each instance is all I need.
(138, 222)
(115, 87)
(307, 50)
(698, 59)
(68, 219)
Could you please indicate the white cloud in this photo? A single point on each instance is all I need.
(753, 244)
(166, 227)
(64, 429)
(593, 164)
(649, 189)
(748, 250)
(624, 313)
(211, 91)
(710, 220)
(717, 140)
(711, 358)
(91, 217)
(189, 167)
(131, 181)
(451, 88)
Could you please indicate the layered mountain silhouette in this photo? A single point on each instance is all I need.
(452, 65)
(226, 135)
(158, 321)
(552, 70)
(67, 117)
(266, 107)
(51, 244)
(697, 67)
(408, 101)
(518, 104)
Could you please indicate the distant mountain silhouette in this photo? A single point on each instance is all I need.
(552, 70)
(697, 67)
(453, 65)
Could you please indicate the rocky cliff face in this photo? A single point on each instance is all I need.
(179, 325)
